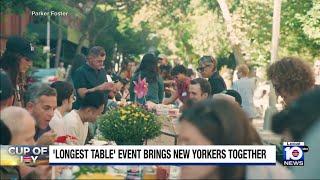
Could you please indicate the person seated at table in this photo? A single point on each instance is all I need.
(191, 74)
(229, 94)
(6, 91)
(222, 122)
(119, 84)
(22, 128)
(165, 73)
(76, 121)
(182, 82)
(41, 101)
(199, 89)
(112, 103)
(116, 95)
(5, 134)
(234, 94)
(64, 101)
(125, 94)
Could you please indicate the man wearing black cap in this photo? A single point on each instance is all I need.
(6, 91)
(16, 61)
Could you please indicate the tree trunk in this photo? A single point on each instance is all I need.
(274, 56)
(86, 30)
(98, 32)
(59, 42)
(235, 44)
(81, 43)
(275, 30)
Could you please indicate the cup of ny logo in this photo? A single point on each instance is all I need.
(293, 153)
(30, 155)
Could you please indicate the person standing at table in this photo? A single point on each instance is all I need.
(208, 69)
(246, 86)
(92, 77)
(148, 69)
(16, 61)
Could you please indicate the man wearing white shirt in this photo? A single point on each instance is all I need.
(76, 122)
(64, 102)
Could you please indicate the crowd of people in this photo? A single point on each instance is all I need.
(211, 114)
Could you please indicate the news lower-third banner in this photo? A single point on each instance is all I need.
(139, 155)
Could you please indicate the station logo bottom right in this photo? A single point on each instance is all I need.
(293, 153)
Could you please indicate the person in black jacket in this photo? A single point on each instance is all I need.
(208, 69)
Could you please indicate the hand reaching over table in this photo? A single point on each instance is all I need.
(151, 105)
(106, 86)
(47, 138)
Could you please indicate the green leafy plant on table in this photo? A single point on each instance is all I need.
(90, 170)
(129, 125)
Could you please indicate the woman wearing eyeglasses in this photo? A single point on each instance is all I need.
(16, 61)
(208, 69)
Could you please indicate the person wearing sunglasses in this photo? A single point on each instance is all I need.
(208, 69)
(16, 61)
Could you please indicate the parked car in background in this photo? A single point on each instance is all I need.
(43, 75)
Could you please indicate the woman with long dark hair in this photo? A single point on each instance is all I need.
(219, 121)
(148, 69)
(16, 61)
